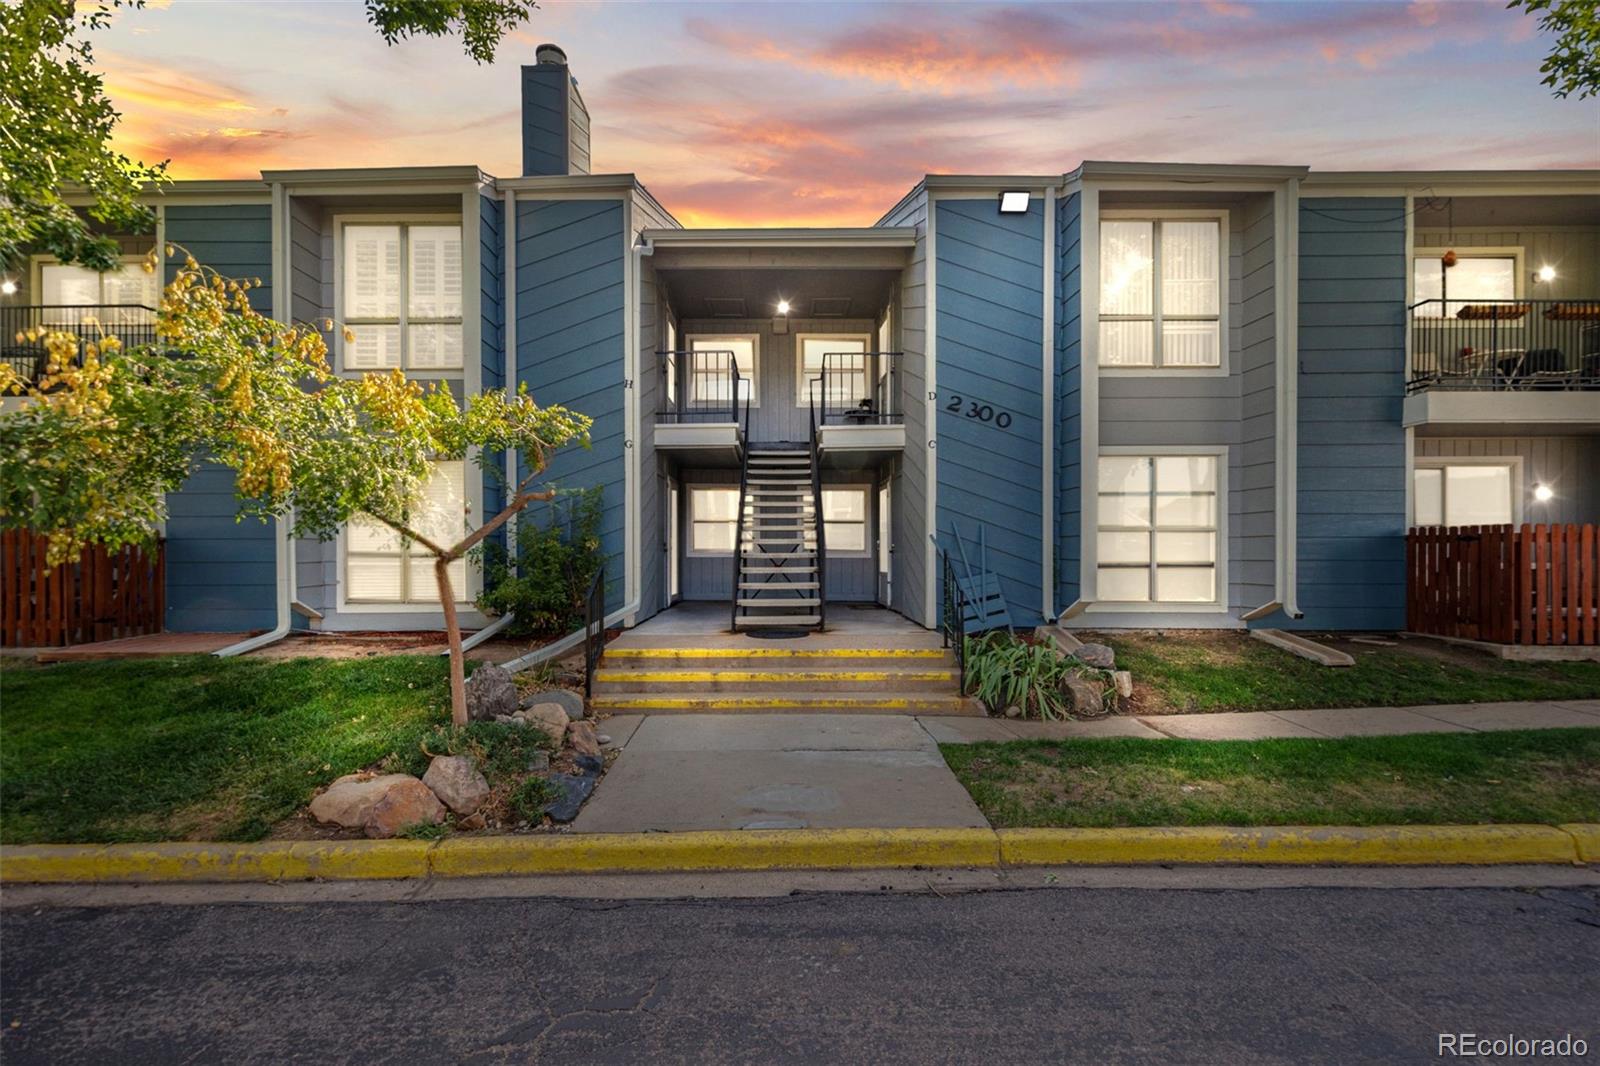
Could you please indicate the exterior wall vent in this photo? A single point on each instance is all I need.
(830, 307)
(725, 306)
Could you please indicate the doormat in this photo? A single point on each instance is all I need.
(776, 634)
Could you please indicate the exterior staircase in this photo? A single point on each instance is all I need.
(731, 676)
(778, 560)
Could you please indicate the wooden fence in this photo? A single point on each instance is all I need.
(102, 596)
(1505, 584)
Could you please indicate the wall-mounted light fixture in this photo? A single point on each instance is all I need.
(783, 307)
(1546, 273)
(1543, 493)
(8, 287)
(1014, 202)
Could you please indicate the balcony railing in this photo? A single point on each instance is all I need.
(132, 324)
(1509, 346)
(701, 386)
(856, 389)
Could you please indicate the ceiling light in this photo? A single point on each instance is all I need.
(783, 307)
(8, 287)
(1014, 202)
(1547, 273)
(1543, 493)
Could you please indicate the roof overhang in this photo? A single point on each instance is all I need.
(1452, 183)
(377, 176)
(767, 239)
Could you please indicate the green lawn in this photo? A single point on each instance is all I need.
(195, 747)
(1187, 672)
(1548, 776)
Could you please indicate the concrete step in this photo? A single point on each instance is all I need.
(831, 680)
(779, 702)
(752, 655)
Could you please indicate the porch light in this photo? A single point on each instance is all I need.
(1543, 493)
(8, 287)
(1014, 202)
(783, 307)
(1546, 273)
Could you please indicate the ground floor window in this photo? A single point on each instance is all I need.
(1464, 494)
(713, 520)
(381, 568)
(1158, 529)
(844, 521)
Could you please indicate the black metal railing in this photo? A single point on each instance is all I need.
(953, 617)
(1507, 345)
(739, 529)
(702, 386)
(859, 389)
(820, 518)
(23, 328)
(594, 628)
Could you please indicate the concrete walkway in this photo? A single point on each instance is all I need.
(678, 773)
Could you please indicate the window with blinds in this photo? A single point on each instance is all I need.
(1157, 535)
(128, 288)
(402, 296)
(1161, 293)
(381, 568)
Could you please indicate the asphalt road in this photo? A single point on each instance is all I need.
(1058, 975)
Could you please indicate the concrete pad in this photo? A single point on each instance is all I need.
(619, 727)
(1367, 722)
(1117, 726)
(780, 732)
(1509, 715)
(953, 729)
(679, 791)
(1582, 706)
(1229, 725)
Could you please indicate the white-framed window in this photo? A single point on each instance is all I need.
(1476, 492)
(400, 294)
(380, 567)
(1159, 537)
(671, 369)
(63, 287)
(1480, 275)
(845, 517)
(846, 363)
(709, 380)
(1163, 292)
(713, 519)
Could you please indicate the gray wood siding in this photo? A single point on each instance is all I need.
(1570, 466)
(908, 494)
(1352, 454)
(990, 321)
(779, 417)
(654, 314)
(1252, 535)
(570, 338)
(1069, 401)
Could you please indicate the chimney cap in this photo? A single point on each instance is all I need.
(551, 54)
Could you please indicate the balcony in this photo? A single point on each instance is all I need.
(704, 410)
(855, 402)
(1520, 362)
(133, 324)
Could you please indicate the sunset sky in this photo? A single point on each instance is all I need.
(824, 114)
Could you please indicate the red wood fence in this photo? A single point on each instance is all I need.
(1505, 584)
(102, 596)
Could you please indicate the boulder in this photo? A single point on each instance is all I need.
(1098, 656)
(1085, 699)
(589, 764)
(575, 788)
(349, 800)
(408, 802)
(581, 737)
(549, 717)
(491, 690)
(457, 783)
(566, 699)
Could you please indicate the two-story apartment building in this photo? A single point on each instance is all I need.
(1169, 395)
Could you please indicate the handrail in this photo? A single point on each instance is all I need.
(952, 624)
(817, 515)
(744, 481)
(695, 374)
(859, 388)
(1504, 345)
(594, 628)
(133, 324)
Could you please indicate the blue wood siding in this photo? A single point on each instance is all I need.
(1069, 400)
(570, 339)
(221, 572)
(491, 283)
(545, 136)
(1352, 453)
(991, 326)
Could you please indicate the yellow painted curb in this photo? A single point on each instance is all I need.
(1421, 845)
(776, 653)
(804, 676)
(175, 862)
(786, 849)
(1587, 838)
(735, 703)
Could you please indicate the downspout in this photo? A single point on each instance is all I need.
(1289, 403)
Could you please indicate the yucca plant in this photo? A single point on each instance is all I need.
(1005, 671)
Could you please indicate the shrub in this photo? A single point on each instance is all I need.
(1006, 671)
(529, 798)
(543, 580)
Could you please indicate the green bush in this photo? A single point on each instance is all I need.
(1006, 671)
(556, 554)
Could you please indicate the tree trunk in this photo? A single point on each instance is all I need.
(452, 628)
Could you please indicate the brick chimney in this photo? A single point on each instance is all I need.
(555, 124)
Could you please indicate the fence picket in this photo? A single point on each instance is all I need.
(100, 596)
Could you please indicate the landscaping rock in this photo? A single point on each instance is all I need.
(1013, 711)
(407, 802)
(1124, 682)
(566, 699)
(590, 764)
(490, 691)
(457, 782)
(476, 821)
(1085, 699)
(539, 762)
(1098, 656)
(549, 717)
(575, 788)
(349, 801)
(582, 739)
(603, 739)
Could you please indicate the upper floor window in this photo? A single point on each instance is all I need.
(63, 287)
(1473, 278)
(711, 376)
(1161, 292)
(845, 358)
(402, 296)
